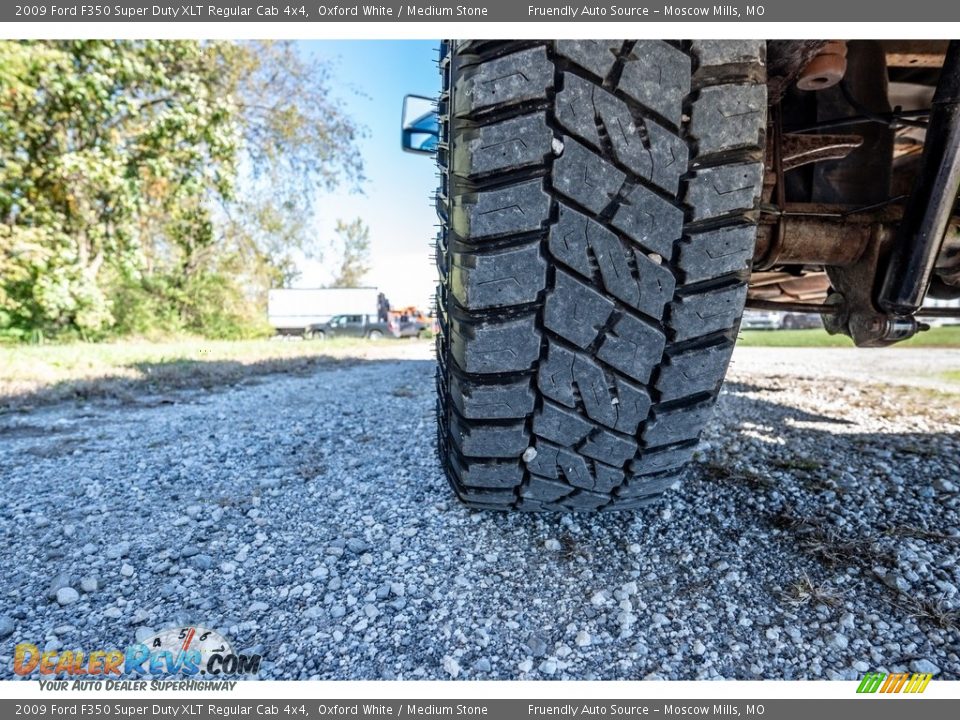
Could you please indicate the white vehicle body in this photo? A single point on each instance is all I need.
(295, 309)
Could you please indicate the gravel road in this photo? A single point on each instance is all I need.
(306, 517)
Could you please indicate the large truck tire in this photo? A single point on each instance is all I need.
(598, 207)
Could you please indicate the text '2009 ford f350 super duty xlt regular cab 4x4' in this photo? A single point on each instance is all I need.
(609, 208)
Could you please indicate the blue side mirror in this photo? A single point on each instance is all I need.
(420, 130)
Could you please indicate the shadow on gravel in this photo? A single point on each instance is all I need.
(787, 519)
(155, 383)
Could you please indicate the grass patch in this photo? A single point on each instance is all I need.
(41, 374)
(938, 337)
(796, 464)
(791, 338)
(803, 591)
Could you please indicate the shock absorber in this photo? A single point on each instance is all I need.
(930, 206)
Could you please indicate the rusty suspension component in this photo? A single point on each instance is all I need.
(827, 235)
(809, 234)
(826, 69)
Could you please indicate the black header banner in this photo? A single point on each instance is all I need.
(127, 11)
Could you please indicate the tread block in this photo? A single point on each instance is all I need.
(575, 311)
(585, 177)
(481, 401)
(627, 273)
(504, 146)
(499, 279)
(519, 208)
(648, 150)
(718, 252)
(724, 189)
(649, 220)
(560, 425)
(660, 460)
(694, 371)
(555, 375)
(729, 117)
(622, 407)
(706, 312)
(575, 109)
(545, 462)
(544, 489)
(488, 474)
(586, 501)
(486, 497)
(560, 463)
(677, 425)
(608, 448)
(573, 468)
(502, 82)
(488, 441)
(711, 53)
(596, 56)
(652, 485)
(633, 347)
(530, 505)
(669, 154)
(605, 477)
(495, 347)
(657, 76)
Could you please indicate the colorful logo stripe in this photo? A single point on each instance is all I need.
(894, 683)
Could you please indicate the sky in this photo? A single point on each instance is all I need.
(371, 78)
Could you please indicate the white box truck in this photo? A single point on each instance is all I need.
(292, 310)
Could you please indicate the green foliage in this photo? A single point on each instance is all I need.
(354, 242)
(155, 185)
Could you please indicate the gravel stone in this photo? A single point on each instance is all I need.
(7, 626)
(355, 545)
(61, 580)
(67, 596)
(451, 666)
(117, 551)
(924, 666)
(839, 640)
(537, 644)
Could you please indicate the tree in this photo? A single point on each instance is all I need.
(91, 133)
(354, 240)
(132, 168)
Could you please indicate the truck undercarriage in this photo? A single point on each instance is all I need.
(857, 219)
